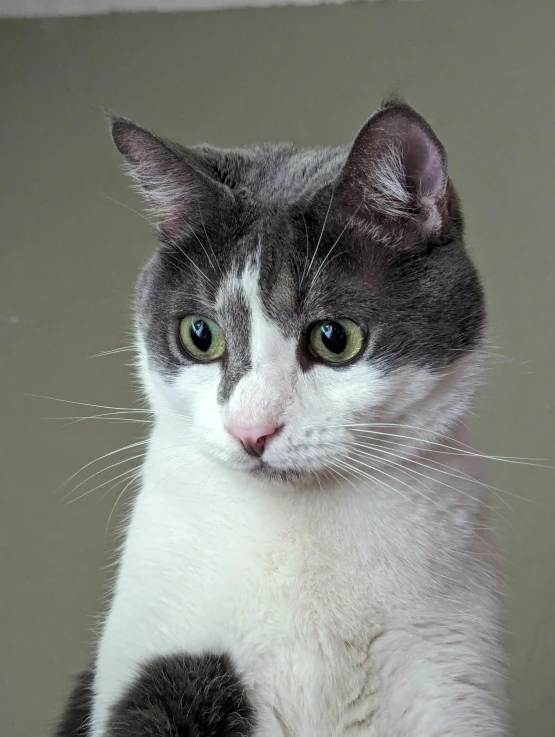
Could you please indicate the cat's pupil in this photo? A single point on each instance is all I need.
(201, 335)
(334, 337)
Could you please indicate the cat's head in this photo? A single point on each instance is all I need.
(306, 304)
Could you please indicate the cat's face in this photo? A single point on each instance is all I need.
(305, 304)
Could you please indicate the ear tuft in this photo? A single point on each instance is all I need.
(397, 172)
(393, 100)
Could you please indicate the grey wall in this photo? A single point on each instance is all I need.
(481, 71)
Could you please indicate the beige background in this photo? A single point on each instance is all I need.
(483, 73)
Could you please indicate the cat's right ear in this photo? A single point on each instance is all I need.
(180, 195)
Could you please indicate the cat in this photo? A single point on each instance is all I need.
(310, 553)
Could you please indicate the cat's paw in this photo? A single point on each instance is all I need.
(184, 696)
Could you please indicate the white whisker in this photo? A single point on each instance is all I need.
(321, 232)
(306, 252)
(208, 239)
(107, 416)
(106, 455)
(326, 257)
(201, 244)
(336, 466)
(122, 492)
(415, 460)
(127, 207)
(123, 475)
(195, 266)
(87, 404)
(103, 470)
(449, 449)
(344, 464)
(123, 349)
(376, 469)
(413, 473)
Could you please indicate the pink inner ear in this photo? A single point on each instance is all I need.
(433, 173)
(432, 188)
(426, 173)
(424, 163)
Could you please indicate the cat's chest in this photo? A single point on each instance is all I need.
(300, 634)
(308, 661)
(258, 567)
(295, 601)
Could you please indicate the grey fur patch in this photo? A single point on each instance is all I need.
(175, 696)
(235, 320)
(75, 719)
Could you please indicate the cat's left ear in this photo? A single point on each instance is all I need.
(395, 178)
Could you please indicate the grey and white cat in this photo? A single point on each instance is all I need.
(310, 553)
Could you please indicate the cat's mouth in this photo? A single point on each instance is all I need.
(270, 473)
(265, 470)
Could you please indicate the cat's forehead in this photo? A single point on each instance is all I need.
(273, 291)
(292, 280)
(280, 173)
(289, 269)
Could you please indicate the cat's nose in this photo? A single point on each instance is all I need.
(254, 439)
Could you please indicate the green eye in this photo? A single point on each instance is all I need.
(201, 337)
(336, 341)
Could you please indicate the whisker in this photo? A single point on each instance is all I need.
(207, 238)
(123, 475)
(108, 416)
(103, 470)
(412, 473)
(451, 472)
(451, 450)
(321, 232)
(122, 492)
(335, 476)
(306, 252)
(186, 255)
(87, 404)
(114, 410)
(388, 486)
(128, 477)
(373, 479)
(326, 257)
(182, 456)
(459, 442)
(123, 349)
(334, 465)
(106, 455)
(201, 244)
(393, 478)
(127, 207)
(404, 426)
(120, 450)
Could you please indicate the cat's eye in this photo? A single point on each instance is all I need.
(336, 341)
(201, 337)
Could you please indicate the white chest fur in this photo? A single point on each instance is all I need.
(339, 608)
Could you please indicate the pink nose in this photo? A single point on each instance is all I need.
(254, 439)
